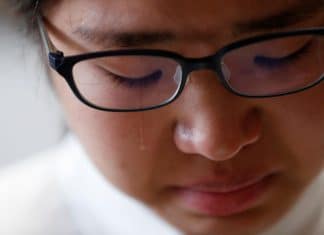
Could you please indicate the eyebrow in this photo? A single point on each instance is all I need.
(123, 39)
(299, 12)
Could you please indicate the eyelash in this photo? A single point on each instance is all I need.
(138, 82)
(275, 63)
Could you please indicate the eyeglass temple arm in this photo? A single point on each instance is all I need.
(55, 56)
(49, 47)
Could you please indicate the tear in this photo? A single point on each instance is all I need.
(141, 134)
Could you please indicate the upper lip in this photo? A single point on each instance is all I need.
(226, 186)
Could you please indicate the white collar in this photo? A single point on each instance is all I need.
(307, 216)
(99, 208)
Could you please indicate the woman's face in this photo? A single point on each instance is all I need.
(211, 162)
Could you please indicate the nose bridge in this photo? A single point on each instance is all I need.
(206, 63)
(210, 63)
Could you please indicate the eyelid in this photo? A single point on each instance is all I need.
(134, 82)
(300, 50)
(274, 62)
(154, 74)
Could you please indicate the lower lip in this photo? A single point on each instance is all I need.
(223, 204)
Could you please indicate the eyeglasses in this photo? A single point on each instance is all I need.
(269, 65)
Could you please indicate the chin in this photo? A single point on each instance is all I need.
(245, 224)
(223, 228)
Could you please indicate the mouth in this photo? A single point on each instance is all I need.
(221, 200)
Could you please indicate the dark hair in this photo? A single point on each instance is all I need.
(27, 9)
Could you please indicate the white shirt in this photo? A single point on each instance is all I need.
(60, 192)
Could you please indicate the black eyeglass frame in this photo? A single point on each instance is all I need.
(64, 64)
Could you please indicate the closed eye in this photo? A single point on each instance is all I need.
(135, 82)
(278, 62)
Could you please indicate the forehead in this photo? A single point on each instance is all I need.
(149, 14)
(173, 24)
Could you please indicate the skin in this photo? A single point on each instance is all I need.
(208, 132)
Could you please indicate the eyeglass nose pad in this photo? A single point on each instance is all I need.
(178, 75)
(226, 71)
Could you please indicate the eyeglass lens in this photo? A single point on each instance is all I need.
(127, 82)
(275, 66)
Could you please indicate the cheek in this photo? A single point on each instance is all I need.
(299, 123)
(126, 152)
(128, 148)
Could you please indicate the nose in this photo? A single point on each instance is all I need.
(214, 123)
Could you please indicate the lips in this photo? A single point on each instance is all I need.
(214, 198)
(230, 186)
